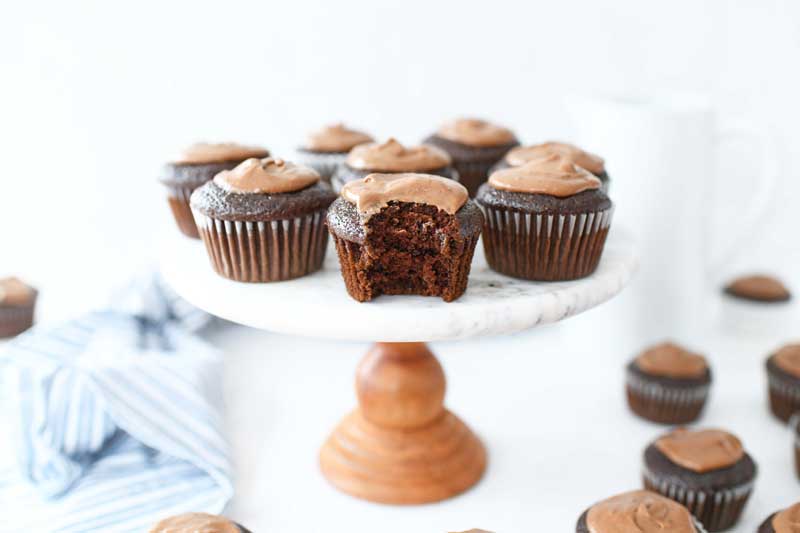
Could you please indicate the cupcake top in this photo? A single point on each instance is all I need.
(335, 138)
(701, 450)
(788, 359)
(15, 293)
(205, 153)
(523, 154)
(759, 288)
(552, 175)
(195, 523)
(639, 511)
(266, 176)
(391, 156)
(476, 132)
(375, 192)
(788, 520)
(671, 361)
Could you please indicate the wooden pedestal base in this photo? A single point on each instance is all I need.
(401, 445)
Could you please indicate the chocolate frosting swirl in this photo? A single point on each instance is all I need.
(391, 156)
(476, 132)
(204, 153)
(195, 523)
(639, 511)
(266, 176)
(701, 450)
(759, 287)
(788, 359)
(523, 154)
(788, 520)
(13, 292)
(551, 175)
(672, 361)
(336, 138)
(375, 192)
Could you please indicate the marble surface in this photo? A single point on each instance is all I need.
(318, 305)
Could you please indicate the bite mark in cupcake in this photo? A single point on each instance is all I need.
(405, 233)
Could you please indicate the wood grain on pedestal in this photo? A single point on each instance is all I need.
(401, 445)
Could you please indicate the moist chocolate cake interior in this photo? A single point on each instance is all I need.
(412, 249)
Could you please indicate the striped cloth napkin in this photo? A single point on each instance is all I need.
(117, 419)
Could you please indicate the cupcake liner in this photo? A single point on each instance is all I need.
(544, 247)
(473, 174)
(178, 198)
(784, 396)
(264, 251)
(324, 163)
(15, 320)
(717, 510)
(355, 278)
(664, 404)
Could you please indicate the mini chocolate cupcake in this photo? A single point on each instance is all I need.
(668, 384)
(327, 148)
(392, 157)
(794, 422)
(758, 288)
(639, 511)
(264, 220)
(475, 146)
(195, 166)
(17, 304)
(546, 220)
(785, 521)
(708, 471)
(405, 234)
(198, 522)
(783, 377)
(521, 155)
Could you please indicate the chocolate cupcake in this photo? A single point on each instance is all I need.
(546, 220)
(708, 471)
(17, 305)
(785, 521)
(195, 166)
(758, 288)
(405, 234)
(521, 155)
(639, 511)
(391, 157)
(327, 148)
(668, 384)
(475, 146)
(794, 422)
(783, 377)
(198, 522)
(264, 220)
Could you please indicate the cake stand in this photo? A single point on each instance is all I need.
(400, 445)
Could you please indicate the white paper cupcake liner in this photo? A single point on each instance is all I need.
(266, 251)
(717, 510)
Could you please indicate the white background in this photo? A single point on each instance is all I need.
(94, 96)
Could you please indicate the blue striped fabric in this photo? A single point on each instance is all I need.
(117, 417)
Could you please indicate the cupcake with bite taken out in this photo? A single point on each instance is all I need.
(391, 157)
(546, 220)
(521, 155)
(327, 148)
(475, 146)
(195, 166)
(264, 220)
(198, 523)
(405, 234)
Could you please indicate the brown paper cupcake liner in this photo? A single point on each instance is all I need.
(15, 320)
(267, 251)
(717, 510)
(784, 397)
(325, 164)
(178, 198)
(544, 247)
(355, 276)
(665, 405)
(473, 174)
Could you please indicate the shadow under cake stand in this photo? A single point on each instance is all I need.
(400, 445)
